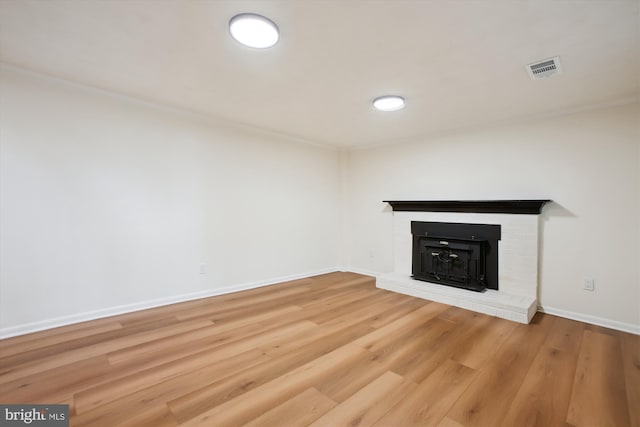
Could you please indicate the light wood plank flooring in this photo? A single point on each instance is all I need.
(331, 350)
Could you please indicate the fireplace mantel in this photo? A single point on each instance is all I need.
(526, 207)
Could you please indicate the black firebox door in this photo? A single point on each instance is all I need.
(456, 254)
(453, 262)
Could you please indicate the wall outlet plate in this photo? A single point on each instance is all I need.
(588, 284)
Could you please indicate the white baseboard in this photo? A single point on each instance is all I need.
(42, 325)
(128, 308)
(366, 272)
(594, 320)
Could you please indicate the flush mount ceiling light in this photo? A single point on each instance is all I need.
(388, 103)
(254, 30)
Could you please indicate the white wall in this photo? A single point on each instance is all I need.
(586, 162)
(108, 202)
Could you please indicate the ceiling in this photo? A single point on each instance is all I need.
(459, 64)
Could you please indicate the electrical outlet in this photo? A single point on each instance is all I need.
(588, 284)
(203, 268)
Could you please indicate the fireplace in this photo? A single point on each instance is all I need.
(456, 254)
(505, 232)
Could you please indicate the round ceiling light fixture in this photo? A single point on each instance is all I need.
(254, 30)
(388, 103)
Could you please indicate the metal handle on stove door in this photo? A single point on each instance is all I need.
(453, 256)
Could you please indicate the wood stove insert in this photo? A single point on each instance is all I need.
(456, 254)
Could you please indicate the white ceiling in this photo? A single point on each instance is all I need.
(459, 64)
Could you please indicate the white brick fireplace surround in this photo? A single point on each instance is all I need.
(517, 295)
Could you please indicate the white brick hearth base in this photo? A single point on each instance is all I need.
(517, 296)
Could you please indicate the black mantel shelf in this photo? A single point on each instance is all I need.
(527, 207)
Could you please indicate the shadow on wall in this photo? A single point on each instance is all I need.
(552, 209)
(555, 209)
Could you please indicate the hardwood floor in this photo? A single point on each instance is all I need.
(330, 350)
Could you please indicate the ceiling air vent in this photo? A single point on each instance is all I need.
(545, 68)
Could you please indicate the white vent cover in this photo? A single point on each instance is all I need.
(545, 68)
